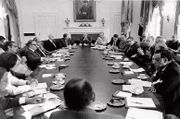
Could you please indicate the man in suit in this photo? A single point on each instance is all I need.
(33, 58)
(78, 95)
(86, 39)
(167, 82)
(114, 42)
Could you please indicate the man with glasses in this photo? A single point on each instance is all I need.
(167, 81)
(33, 58)
(21, 71)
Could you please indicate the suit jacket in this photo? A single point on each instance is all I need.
(90, 114)
(33, 59)
(117, 42)
(49, 45)
(170, 88)
(6, 103)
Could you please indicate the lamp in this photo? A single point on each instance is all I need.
(67, 21)
(103, 21)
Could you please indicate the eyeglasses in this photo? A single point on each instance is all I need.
(34, 44)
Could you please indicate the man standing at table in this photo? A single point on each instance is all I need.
(167, 81)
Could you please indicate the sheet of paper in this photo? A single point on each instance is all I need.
(123, 94)
(41, 86)
(126, 63)
(46, 75)
(140, 82)
(135, 113)
(137, 70)
(131, 87)
(140, 102)
(128, 72)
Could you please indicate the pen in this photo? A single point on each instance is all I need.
(137, 102)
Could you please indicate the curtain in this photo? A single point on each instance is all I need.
(13, 15)
(177, 17)
(147, 8)
(126, 16)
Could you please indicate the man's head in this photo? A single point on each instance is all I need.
(78, 94)
(161, 58)
(32, 44)
(149, 40)
(2, 39)
(174, 38)
(50, 37)
(8, 60)
(10, 46)
(115, 36)
(65, 35)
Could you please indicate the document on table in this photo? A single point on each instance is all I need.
(135, 89)
(41, 86)
(140, 102)
(135, 113)
(140, 82)
(46, 75)
(116, 56)
(126, 63)
(137, 70)
(122, 94)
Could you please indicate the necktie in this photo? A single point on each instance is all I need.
(53, 43)
(42, 52)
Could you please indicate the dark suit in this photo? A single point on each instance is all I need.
(6, 103)
(170, 88)
(50, 45)
(60, 43)
(112, 41)
(90, 114)
(33, 59)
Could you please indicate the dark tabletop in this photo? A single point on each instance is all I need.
(88, 63)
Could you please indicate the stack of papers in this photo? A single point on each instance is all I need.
(134, 113)
(140, 102)
(135, 89)
(139, 82)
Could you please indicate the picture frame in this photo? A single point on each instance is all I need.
(84, 10)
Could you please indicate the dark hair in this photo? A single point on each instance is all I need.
(30, 42)
(65, 35)
(8, 43)
(166, 54)
(2, 38)
(8, 60)
(2, 71)
(115, 36)
(78, 94)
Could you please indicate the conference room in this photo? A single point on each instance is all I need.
(79, 59)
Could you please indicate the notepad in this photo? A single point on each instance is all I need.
(140, 102)
(140, 82)
(135, 113)
(135, 89)
(128, 72)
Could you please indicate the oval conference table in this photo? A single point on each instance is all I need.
(88, 63)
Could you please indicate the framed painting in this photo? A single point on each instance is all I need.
(84, 10)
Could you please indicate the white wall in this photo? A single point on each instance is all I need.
(2, 31)
(64, 9)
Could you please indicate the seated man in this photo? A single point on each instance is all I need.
(21, 71)
(101, 39)
(33, 58)
(78, 95)
(66, 40)
(6, 103)
(114, 42)
(173, 43)
(86, 39)
(167, 81)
